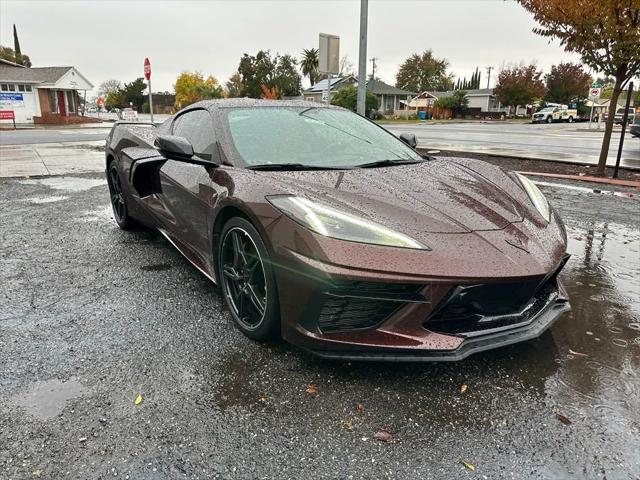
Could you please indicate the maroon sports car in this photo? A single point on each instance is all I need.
(325, 229)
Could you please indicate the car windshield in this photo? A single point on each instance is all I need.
(547, 109)
(311, 137)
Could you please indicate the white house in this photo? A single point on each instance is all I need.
(42, 94)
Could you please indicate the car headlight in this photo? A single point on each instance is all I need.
(536, 196)
(336, 224)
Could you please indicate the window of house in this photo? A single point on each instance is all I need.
(27, 88)
(4, 87)
(12, 87)
(21, 88)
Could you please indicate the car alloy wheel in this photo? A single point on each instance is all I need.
(549, 119)
(570, 120)
(247, 280)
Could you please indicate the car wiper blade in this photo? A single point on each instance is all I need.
(387, 163)
(291, 166)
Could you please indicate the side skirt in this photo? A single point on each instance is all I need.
(184, 253)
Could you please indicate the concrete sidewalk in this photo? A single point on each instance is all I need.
(51, 159)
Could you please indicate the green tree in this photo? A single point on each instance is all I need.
(234, 86)
(7, 53)
(280, 71)
(132, 93)
(309, 64)
(347, 97)
(519, 85)
(457, 102)
(191, 87)
(566, 83)
(606, 35)
(424, 72)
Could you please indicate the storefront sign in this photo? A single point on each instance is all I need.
(7, 115)
(9, 99)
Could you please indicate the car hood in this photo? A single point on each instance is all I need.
(433, 196)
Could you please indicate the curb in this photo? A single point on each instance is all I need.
(585, 178)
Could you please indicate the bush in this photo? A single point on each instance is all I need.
(347, 97)
(145, 107)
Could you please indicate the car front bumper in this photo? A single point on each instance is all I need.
(405, 333)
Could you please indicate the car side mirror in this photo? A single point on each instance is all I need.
(173, 147)
(409, 139)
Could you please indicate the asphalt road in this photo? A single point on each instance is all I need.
(558, 141)
(92, 316)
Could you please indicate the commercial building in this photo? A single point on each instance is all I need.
(42, 94)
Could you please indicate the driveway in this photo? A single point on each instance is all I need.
(117, 358)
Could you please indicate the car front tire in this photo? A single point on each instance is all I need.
(247, 280)
(549, 120)
(118, 197)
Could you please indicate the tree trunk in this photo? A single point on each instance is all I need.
(608, 128)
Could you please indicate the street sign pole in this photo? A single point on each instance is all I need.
(625, 118)
(362, 59)
(147, 74)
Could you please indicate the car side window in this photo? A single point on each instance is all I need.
(197, 127)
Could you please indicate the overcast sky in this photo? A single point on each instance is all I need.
(109, 39)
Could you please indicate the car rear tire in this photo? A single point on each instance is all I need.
(549, 119)
(570, 120)
(248, 281)
(118, 198)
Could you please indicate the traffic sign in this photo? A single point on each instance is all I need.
(594, 93)
(147, 69)
(595, 85)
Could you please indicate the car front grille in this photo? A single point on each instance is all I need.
(472, 310)
(348, 306)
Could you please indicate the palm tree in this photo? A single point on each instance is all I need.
(309, 64)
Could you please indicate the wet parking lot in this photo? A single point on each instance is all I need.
(117, 359)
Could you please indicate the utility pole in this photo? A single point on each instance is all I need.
(373, 67)
(489, 75)
(362, 58)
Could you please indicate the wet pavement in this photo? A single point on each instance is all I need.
(561, 142)
(92, 317)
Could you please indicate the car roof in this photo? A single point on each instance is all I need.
(255, 102)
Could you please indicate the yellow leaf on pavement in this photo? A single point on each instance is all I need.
(138, 400)
(468, 466)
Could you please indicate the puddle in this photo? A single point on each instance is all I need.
(69, 184)
(47, 399)
(40, 200)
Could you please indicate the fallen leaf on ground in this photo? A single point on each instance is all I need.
(37, 473)
(348, 424)
(82, 439)
(311, 390)
(383, 436)
(578, 238)
(563, 419)
(463, 388)
(138, 400)
(359, 408)
(578, 354)
(468, 466)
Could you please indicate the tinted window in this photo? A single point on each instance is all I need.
(197, 127)
(319, 137)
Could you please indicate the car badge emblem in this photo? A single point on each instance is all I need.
(516, 242)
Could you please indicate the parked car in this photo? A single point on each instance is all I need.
(619, 116)
(555, 114)
(325, 229)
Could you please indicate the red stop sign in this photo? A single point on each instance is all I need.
(147, 69)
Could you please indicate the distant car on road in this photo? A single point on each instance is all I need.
(619, 116)
(325, 229)
(558, 113)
